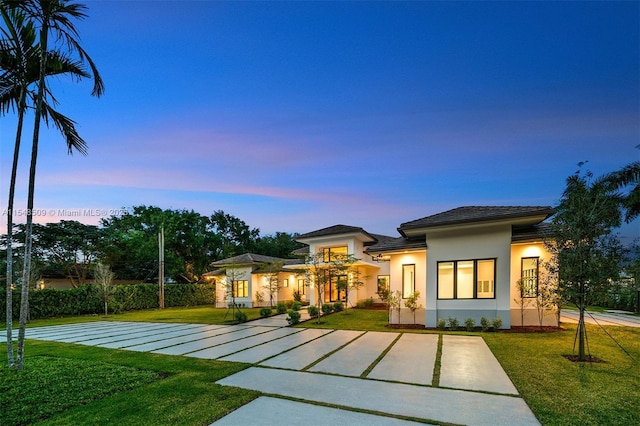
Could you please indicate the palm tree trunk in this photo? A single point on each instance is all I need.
(12, 190)
(26, 274)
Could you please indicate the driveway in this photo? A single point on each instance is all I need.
(335, 375)
(616, 318)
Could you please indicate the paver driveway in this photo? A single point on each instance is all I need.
(383, 373)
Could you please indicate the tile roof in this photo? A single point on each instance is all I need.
(334, 230)
(396, 244)
(470, 214)
(247, 259)
(537, 232)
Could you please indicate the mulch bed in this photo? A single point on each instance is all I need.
(588, 358)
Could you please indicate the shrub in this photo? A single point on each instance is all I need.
(453, 323)
(497, 323)
(442, 324)
(288, 304)
(338, 307)
(294, 317)
(469, 324)
(297, 296)
(281, 308)
(241, 317)
(313, 310)
(327, 308)
(265, 312)
(484, 323)
(366, 303)
(296, 306)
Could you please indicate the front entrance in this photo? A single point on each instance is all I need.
(335, 289)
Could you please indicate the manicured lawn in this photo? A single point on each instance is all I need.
(74, 384)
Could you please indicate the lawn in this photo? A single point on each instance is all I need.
(72, 384)
(181, 390)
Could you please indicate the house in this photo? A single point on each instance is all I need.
(247, 279)
(468, 262)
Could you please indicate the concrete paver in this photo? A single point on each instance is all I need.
(273, 410)
(196, 345)
(422, 402)
(238, 345)
(302, 356)
(160, 335)
(468, 363)
(356, 357)
(207, 331)
(417, 350)
(262, 352)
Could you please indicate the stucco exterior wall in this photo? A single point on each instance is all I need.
(488, 242)
(419, 259)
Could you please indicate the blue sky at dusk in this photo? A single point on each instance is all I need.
(294, 116)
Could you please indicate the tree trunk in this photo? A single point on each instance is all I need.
(26, 274)
(581, 327)
(12, 190)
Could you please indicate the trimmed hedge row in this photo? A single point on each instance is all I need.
(86, 300)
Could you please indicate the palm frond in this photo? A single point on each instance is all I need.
(68, 128)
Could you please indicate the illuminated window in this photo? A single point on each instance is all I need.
(383, 283)
(285, 283)
(301, 287)
(467, 279)
(335, 288)
(240, 288)
(529, 276)
(331, 254)
(408, 280)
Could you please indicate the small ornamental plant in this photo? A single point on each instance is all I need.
(484, 323)
(442, 324)
(294, 317)
(469, 324)
(313, 310)
(281, 308)
(496, 323)
(453, 323)
(338, 307)
(241, 317)
(265, 312)
(327, 308)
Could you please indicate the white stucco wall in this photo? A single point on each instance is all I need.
(419, 259)
(488, 242)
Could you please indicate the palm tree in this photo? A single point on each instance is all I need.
(19, 60)
(629, 175)
(52, 16)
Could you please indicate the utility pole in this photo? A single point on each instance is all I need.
(161, 266)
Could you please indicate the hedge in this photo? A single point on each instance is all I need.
(86, 300)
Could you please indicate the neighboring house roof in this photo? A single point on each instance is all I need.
(477, 214)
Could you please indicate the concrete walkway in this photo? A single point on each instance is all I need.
(387, 375)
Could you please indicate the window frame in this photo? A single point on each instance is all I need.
(386, 284)
(535, 278)
(234, 288)
(475, 278)
(413, 280)
(327, 255)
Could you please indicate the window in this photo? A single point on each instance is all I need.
(529, 276)
(467, 279)
(332, 253)
(301, 287)
(240, 288)
(285, 283)
(408, 280)
(383, 283)
(334, 289)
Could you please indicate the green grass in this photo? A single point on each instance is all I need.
(162, 389)
(194, 315)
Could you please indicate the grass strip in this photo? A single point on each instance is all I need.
(435, 382)
(368, 370)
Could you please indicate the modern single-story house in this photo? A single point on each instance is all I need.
(464, 263)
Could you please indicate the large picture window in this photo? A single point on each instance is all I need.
(383, 284)
(330, 254)
(529, 276)
(335, 288)
(408, 280)
(240, 288)
(467, 279)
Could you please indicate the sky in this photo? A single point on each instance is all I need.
(294, 116)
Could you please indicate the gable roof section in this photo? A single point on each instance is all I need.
(477, 214)
(336, 230)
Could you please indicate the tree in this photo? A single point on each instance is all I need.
(588, 256)
(19, 61)
(349, 276)
(103, 279)
(236, 236)
(273, 284)
(628, 176)
(412, 304)
(51, 15)
(280, 244)
(521, 300)
(317, 276)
